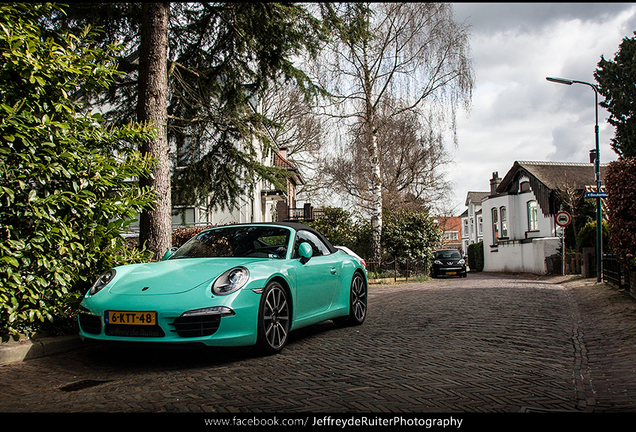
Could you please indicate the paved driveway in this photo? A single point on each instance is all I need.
(487, 343)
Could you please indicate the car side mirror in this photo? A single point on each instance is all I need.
(305, 252)
(169, 253)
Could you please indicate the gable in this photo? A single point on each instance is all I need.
(547, 178)
(475, 197)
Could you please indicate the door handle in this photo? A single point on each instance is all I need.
(333, 270)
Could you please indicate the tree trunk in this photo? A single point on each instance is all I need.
(376, 215)
(155, 225)
(374, 152)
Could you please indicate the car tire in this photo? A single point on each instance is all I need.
(357, 302)
(274, 319)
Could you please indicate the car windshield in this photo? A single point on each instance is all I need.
(447, 254)
(239, 241)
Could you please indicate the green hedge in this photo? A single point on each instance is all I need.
(620, 182)
(64, 197)
(476, 256)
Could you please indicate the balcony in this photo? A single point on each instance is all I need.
(290, 214)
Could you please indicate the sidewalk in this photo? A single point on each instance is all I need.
(17, 351)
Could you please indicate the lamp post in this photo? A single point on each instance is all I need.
(597, 176)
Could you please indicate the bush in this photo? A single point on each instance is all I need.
(411, 234)
(341, 229)
(64, 200)
(587, 236)
(405, 234)
(181, 235)
(337, 226)
(476, 256)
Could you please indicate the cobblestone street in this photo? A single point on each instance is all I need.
(484, 344)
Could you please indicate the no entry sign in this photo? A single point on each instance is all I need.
(563, 218)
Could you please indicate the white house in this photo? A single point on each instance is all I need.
(519, 230)
(472, 219)
(263, 204)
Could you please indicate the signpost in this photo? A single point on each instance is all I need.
(595, 194)
(563, 219)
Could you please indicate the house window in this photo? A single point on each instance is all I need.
(495, 226)
(451, 235)
(533, 216)
(503, 222)
(465, 234)
(480, 226)
(183, 216)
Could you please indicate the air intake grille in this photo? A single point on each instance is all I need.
(194, 326)
(90, 323)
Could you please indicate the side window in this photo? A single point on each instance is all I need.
(319, 248)
(533, 216)
(495, 226)
(504, 223)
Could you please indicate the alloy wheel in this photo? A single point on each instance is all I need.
(358, 299)
(275, 318)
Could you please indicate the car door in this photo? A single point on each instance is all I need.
(317, 279)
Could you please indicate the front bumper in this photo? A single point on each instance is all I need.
(449, 271)
(224, 321)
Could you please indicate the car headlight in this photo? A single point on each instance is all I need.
(461, 261)
(438, 262)
(102, 281)
(230, 281)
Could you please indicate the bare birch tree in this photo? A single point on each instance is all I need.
(412, 158)
(413, 55)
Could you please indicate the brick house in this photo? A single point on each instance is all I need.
(451, 228)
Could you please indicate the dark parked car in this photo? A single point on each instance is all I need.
(448, 262)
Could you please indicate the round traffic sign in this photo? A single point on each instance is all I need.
(563, 218)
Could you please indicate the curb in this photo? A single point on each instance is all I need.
(15, 352)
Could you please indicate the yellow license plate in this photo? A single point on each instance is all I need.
(131, 318)
(451, 273)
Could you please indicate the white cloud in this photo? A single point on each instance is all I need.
(516, 114)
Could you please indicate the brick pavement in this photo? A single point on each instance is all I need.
(484, 344)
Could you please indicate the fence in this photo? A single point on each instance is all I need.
(615, 272)
(398, 269)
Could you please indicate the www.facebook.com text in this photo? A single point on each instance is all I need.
(341, 422)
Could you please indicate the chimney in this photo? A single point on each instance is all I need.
(494, 183)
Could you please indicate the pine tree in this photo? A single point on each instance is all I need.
(616, 82)
(221, 57)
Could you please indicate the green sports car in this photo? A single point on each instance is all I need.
(234, 285)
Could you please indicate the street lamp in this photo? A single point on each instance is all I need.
(597, 175)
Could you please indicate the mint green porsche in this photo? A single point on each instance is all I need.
(235, 285)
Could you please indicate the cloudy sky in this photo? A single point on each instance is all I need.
(516, 114)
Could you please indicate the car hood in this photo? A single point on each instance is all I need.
(171, 276)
